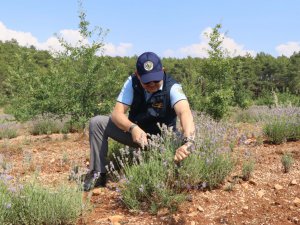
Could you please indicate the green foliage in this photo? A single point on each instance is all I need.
(287, 161)
(70, 87)
(80, 82)
(218, 70)
(189, 73)
(282, 129)
(8, 132)
(244, 116)
(244, 79)
(247, 169)
(148, 177)
(294, 73)
(286, 98)
(218, 103)
(206, 168)
(241, 96)
(45, 126)
(72, 126)
(151, 180)
(33, 204)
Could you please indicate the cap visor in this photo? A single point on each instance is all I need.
(148, 77)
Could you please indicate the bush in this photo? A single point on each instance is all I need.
(45, 126)
(218, 69)
(283, 129)
(287, 161)
(34, 204)
(8, 133)
(151, 179)
(248, 167)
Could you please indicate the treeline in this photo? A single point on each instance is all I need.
(64, 83)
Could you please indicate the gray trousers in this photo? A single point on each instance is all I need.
(101, 128)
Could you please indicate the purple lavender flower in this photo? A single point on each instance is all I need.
(12, 189)
(7, 205)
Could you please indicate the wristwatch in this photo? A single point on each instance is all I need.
(188, 140)
(131, 127)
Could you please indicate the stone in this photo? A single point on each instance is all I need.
(278, 187)
(163, 212)
(297, 202)
(115, 220)
(293, 182)
(245, 207)
(96, 191)
(245, 185)
(192, 214)
(252, 182)
(260, 193)
(200, 209)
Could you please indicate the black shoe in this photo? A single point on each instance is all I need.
(93, 180)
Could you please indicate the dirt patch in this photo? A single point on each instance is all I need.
(269, 197)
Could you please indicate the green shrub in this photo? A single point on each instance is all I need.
(34, 204)
(45, 126)
(282, 129)
(148, 177)
(74, 126)
(287, 161)
(8, 133)
(206, 169)
(151, 179)
(247, 169)
(218, 70)
(244, 116)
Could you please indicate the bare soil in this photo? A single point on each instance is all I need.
(269, 197)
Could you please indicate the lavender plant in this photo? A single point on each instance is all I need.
(149, 175)
(247, 169)
(8, 130)
(45, 125)
(266, 114)
(287, 161)
(151, 179)
(280, 124)
(33, 204)
(284, 128)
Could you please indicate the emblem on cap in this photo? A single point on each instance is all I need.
(148, 65)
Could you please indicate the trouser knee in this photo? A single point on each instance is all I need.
(98, 122)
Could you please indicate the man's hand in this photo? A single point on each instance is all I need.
(139, 136)
(181, 153)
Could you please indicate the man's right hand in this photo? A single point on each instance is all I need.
(139, 136)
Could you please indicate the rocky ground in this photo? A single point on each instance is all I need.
(269, 197)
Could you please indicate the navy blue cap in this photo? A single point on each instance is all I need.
(149, 67)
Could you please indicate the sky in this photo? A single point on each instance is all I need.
(170, 28)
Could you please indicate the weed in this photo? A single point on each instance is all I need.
(287, 161)
(30, 203)
(8, 133)
(248, 167)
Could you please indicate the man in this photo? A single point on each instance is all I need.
(152, 97)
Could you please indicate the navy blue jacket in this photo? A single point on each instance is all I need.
(157, 109)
